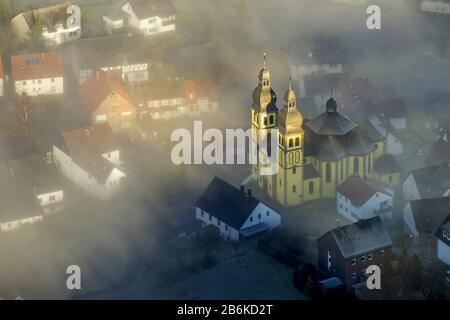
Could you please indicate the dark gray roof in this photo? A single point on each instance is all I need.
(370, 132)
(310, 172)
(429, 214)
(386, 164)
(361, 237)
(227, 203)
(315, 49)
(439, 153)
(432, 182)
(331, 121)
(150, 8)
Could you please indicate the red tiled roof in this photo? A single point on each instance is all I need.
(37, 66)
(357, 189)
(98, 87)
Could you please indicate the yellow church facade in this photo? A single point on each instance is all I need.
(314, 156)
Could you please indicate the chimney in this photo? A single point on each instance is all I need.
(49, 157)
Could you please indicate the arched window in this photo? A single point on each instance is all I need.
(356, 165)
(311, 187)
(265, 121)
(294, 170)
(271, 119)
(297, 141)
(269, 144)
(328, 172)
(291, 143)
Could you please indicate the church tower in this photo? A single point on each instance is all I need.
(264, 118)
(289, 179)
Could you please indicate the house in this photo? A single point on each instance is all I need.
(443, 242)
(38, 73)
(90, 157)
(394, 110)
(374, 136)
(358, 198)
(2, 79)
(54, 23)
(148, 17)
(31, 188)
(107, 100)
(422, 218)
(165, 99)
(387, 170)
(111, 54)
(315, 54)
(346, 252)
(439, 152)
(435, 6)
(427, 183)
(235, 213)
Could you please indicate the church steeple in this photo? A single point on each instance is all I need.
(264, 75)
(290, 119)
(264, 98)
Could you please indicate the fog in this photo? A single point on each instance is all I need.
(116, 244)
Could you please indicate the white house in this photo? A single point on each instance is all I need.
(54, 20)
(235, 213)
(148, 17)
(31, 189)
(358, 198)
(421, 219)
(436, 6)
(426, 183)
(38, 73)
(443, 243)
(90, 158)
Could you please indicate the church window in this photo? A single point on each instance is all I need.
(271, 119)
(328, 172)
(291, 144)
(294, 188)
(311, 187)
(294, 170)
(356, 165)
(297, 141)
(265, 121)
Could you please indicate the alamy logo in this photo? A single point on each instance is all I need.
(374, 20)
(238, 147)
(374, 277)
(74, 280)
(75, 16)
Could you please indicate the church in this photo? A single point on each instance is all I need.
(314, 156)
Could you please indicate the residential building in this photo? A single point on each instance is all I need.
(165, 99)
(31, 188)
(315, 54)
(358, 198)
(439, 152)
(387, 170)
(427, 183)
(347, 251)
(235, 213)
(38, 73)
(112, 55)
(443, 243)
(436, 6)
(422, 218)
(332, 143)
(148, 17)
(90, 157)
(107, 100)
(54, 23)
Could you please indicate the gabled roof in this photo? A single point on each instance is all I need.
(386, 164)
(227, 203)
(360, 190)
(87, 145)
(363, 236)
(429, 214)
(432, 181)
(145, 9)
(37, 66)
(394, 108)
(95, 89)
(439, 153)
(370, 132)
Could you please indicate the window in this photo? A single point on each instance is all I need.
(202, 213)
(363, 258)
(294, 188)
(290, 143)
(53, 80)
(342, 169)
(311, 187)
(370, 256)
(259, 215)
(52, 198)
(356, 165)
(265, 121)
(294, 170)
(328, 172)
(251, 219)
(297, 141)
(271, 119)
(353, 261)
(353, 275)
(268, 213)
(382, 252)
